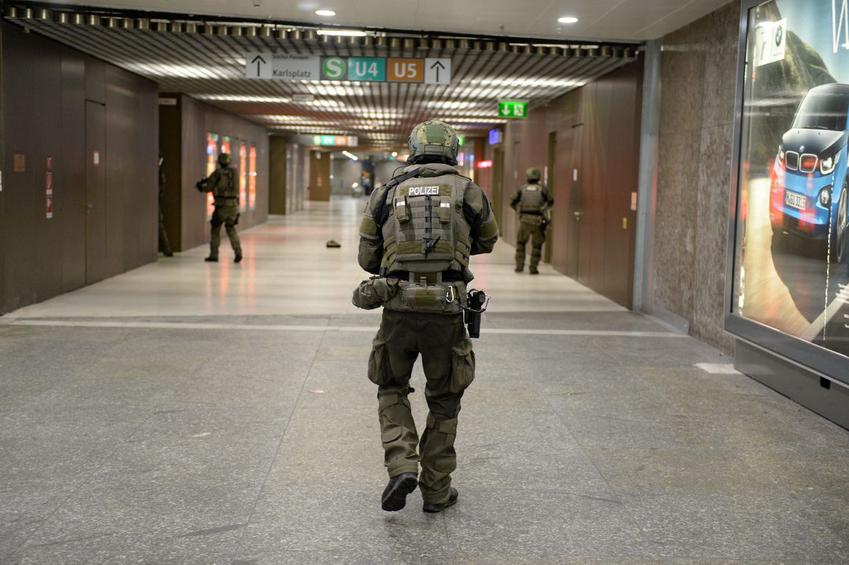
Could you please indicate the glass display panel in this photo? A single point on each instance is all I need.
(792, 251)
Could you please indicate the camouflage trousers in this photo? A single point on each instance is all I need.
(228, 216)
(449, 367)
(535, 231)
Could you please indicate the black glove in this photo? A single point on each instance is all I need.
(201, 184)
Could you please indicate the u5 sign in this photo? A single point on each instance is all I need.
(268, 66)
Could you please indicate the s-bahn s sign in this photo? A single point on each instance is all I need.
(263, 65)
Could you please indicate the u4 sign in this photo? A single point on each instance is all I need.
(263, 65)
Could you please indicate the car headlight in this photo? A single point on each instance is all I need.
(828, 164)
(825, 197)
(780, 155)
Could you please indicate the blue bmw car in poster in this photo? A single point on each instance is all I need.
(809, 196)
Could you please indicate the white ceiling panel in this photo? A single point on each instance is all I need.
(612, 20)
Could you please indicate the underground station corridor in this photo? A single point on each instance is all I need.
(670, 384)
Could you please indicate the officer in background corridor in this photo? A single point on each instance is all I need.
(164, 244)
(224, 187)
(417, 233)
(533, 204)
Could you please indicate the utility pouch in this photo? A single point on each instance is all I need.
(438, 298)
(374, 293)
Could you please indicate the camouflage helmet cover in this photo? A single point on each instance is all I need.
(224, 159)
(434, 139)
(533, 174)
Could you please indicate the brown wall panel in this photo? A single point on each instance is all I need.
(45, 89)
(70, 172)
(277, 175)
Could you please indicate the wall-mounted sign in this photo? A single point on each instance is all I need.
(495, 136)
(19, 163)
(512, 109)
(484, 164)
(269, 66)
(335, 140)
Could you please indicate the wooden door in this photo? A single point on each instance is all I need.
(550, 182)
(95, 225)
(319, 176)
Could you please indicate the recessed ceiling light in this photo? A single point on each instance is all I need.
(325, 13)
(568, 20)
(342, 32)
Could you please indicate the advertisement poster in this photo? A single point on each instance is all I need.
(243, 179)
(252, 178)
(792, 256)
(211, 164)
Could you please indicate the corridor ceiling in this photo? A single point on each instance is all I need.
(204, 56)
(612, 20)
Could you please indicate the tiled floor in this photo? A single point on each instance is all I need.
(196, 413)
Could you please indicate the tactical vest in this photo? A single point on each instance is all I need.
(533, 199)
(426, 231)
(226, 190)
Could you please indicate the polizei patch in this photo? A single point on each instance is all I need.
(423, 191)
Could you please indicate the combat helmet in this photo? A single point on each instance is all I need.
(533, 174)
(434, 139)
(224, 159)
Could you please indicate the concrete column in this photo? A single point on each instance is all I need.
(647, 187)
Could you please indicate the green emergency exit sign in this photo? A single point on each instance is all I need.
(513, 109)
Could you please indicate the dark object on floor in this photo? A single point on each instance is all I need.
(434, 508)
(211, 259)
(395, 494)
(333, 244)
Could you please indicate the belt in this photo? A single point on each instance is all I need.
(447, 276)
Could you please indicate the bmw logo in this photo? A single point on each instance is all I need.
(802, 149)
(779, 35)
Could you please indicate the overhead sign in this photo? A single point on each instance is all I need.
(512, 109)
(406, 70)
(438, 71)
(265, 65)
(268, 66)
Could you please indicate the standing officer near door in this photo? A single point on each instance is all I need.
(417, 234)
(224, 187)
(533, 204)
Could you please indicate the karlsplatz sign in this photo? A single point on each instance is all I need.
(262, 65)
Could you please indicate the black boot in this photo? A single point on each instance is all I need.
(238, 258)
(534, 271)
(211, 259)
(395, 494)
(432, 508)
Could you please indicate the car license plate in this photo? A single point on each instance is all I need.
(795, 200)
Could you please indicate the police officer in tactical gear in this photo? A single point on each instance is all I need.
(164, 244)
(224, 187)
(533, 204)
(417, 234)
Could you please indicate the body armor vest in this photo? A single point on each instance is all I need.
(225, 189)
(426, 231)
(533, 199)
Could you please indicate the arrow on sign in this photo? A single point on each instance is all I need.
(259, 63)
(437, 66)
